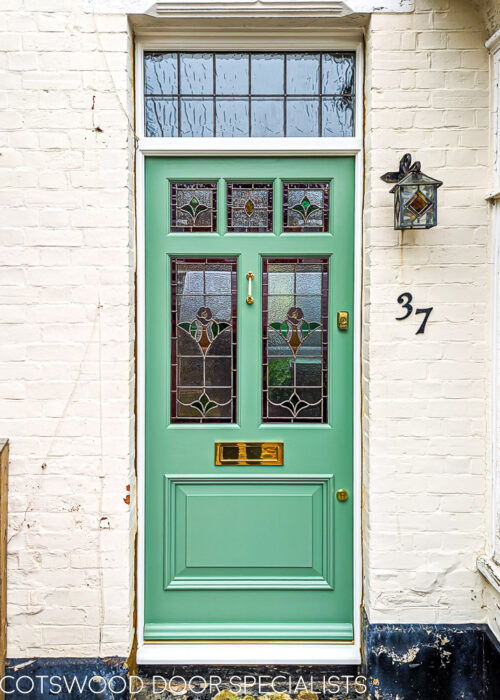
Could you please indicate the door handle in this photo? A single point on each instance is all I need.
(250, 298)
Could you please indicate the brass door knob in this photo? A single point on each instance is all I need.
(342, 495)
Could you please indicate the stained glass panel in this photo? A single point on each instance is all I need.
(250, 207)
(295, 340)
(193, 207)
(306, 206)
(203, 340)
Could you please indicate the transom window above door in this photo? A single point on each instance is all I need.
(246, 94)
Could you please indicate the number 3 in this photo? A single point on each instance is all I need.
(407, 305)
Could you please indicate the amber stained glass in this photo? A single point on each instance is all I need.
(250, 207)
(203, 340)
(306, 206)
(295, 340)
(193, 207)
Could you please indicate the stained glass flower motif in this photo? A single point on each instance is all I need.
(193, 207)
(306, 206)
(250, 207)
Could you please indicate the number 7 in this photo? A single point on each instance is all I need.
(427, 313)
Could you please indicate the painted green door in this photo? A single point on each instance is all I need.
(248, 550)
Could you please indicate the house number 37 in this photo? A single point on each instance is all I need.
(405, 300)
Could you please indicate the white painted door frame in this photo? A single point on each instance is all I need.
(256, 652)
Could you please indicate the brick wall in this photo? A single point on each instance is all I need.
(66, 314)
(426, 396)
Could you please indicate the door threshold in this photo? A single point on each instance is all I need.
(245, 653)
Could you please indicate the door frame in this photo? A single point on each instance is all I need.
(197, 652)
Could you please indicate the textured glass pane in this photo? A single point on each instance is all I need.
(203, 340)
(306, 206)
(295, 332)
(302, 74)
(160, 73)
(268, 70)
(161, 116)
(196, 74)
(197, 117)
(232, 117)
(267, 117)
(338, 74)
(302, 117)
(193, 207)
(250, 207)
(338, 116)
(231, 74)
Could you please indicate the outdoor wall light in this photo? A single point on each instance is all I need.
(415, 196)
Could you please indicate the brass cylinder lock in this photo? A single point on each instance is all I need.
(342, 495)
(342, 320)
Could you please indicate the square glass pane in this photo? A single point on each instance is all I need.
(302, 74)
(338, 73)
(160, 73)
(250, 207)
(231, 117)
(306, 206)
(197, 74)
(161, 116)
(197, 117)
(267, 117)
(295, 356)
(302, 116)
(231, 73)
(193, 207)
(268, 72)
(338, 116)
(203, 341)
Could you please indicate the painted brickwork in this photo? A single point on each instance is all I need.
(66, 354)
(67, 314)
(426, 397)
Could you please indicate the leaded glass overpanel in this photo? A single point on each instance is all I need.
(306, 206)
(295, 340)
(261, 94)
(193, 207)
(203, 340)
(250, 207)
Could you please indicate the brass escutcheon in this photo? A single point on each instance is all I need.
(342, 495)
(342, 320)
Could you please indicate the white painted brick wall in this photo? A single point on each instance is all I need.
(426, 396)
(66, 315)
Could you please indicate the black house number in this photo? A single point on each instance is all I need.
(405, 300)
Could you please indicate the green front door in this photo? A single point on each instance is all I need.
(249, 541)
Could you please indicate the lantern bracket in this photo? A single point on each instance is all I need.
(405, 167)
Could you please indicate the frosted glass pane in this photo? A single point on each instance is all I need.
(338, 74)
(160, 74)
(196, 74)
(268, 70)
(267, 117)
(231, 71)
(338, 116)
(302, 74)
(197, 117)
(161, 116)
(302, 117)
(231, 117)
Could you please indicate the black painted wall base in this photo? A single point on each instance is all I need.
(403, 662)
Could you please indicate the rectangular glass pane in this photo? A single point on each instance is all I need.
(197, 117)
(193, 207)
(160, 74)
(306, 207)
(268, 73)
(338, 116)
(302, 74)
(203, 340)
(231, 73)
(338, 73)
(302, 116)
(231, 117)
(250, 207)
(295, 340)
(161, 116)
(267, 117)
(197, 76)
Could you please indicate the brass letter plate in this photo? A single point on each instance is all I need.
(235, 454)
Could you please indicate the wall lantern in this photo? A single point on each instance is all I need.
(415, 196)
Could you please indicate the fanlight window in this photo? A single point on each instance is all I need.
(249, 94)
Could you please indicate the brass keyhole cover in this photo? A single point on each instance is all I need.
(342, 495)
